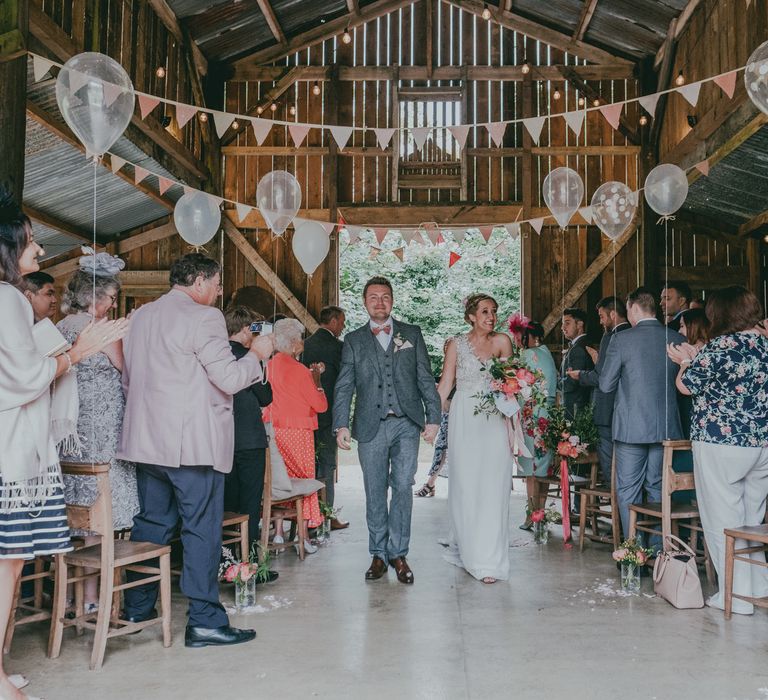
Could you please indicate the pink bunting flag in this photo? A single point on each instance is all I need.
(586, 214)
(399, 253)
(384, 136)
(574, 120)
(703, 167)
(374, 253)
(690, 92)
(612, 113)
(298, 133)
(727, 83)
(139, 173)
(146, 104)
(341, 135)
(164, 184)
(496, 130)
(460, 133)
(40, 66)
(111, 92)
(649, 102)
(513, 230)
(222, 121)
(117, 163)
(440, 238)
(243, 210)
(453, 258)
(534, 125)
(261, 129)
(485, 232)
(380, 233)
(536, 224)
(184, 113)
(432, 234)
(420, 135)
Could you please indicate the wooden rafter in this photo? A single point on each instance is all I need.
(756, 224)
(274, 25)
(680, 21)
(584, 19)
(538, 31)
(149, 233)
(169, 19)
(353, 7)
(53, 222)
(662, 83)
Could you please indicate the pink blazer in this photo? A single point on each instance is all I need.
(179, 378)
(295, 398)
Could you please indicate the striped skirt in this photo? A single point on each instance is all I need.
(27, 532)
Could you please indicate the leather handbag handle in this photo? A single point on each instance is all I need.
(680, 545)
(659, 566)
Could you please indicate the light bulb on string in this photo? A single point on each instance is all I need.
(680, 79)
(486, 13)
(160, 72)
(643, 120)
(292, 110)
(259, 109)
(235, 125)
(203, 117)
(346, 37)
(316, 88)
(581, 102)
(273, 106)
(596, 102)
(556, 94)
(526, 68)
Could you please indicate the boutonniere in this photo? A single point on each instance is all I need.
(401, 343)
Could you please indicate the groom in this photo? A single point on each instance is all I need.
(385, 364)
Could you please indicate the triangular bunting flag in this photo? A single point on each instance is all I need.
(460, 133)
(341, 220)
(459, 234)
(575, 120)
(327, 226)
(117, 163)
(513, 230)
(77, 80)
(189, 190)
(354, 233)
(111, 93)
(380, 233)
(147, 104)
(536, 224)
(690, 92)
(384, 136)
(298, 133)
(40, 66)
(612, 113)
(432, 234)
(453, 258)
(184, 113)
(223, 121)
(261, 128)
(586, 214)
(703, 167)
(502, 249)
(374, 253)
(242, 211)
(485, 232)
(420, 136)
(407, 235)
(496, 130)
(216, 200)
(139, 173)
(649, 102)
(727, 83)
(164, 184)
(534, 125)
(341, 135)
(297, 221)
(440, 238)
(399, 253)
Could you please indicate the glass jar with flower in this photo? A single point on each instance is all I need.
(324, 531)
(631, 556)
(245, 575)
(542, 518)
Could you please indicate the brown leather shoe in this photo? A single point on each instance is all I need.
(337, 524)
(377, 569)
(404, 573)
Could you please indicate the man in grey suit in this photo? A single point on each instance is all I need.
(574, 395)
(613, 318)
(645, 412)
(385, 365)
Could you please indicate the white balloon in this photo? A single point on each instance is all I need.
(613, 208)
(197, 218)
(278, 197)
(666, 188)
(95, 97)
(563, 192)
(311, 244)
(756, 77)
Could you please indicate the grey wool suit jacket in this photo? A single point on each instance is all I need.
(360, 375)
(638, 369)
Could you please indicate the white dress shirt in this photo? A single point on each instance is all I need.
(384, 338)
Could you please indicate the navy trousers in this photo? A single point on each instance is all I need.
(244, 488)
(194, 496)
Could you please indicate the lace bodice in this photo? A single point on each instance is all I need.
(470, 376)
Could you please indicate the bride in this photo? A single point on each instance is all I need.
(481, 460)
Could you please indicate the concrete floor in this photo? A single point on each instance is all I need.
(556, 629)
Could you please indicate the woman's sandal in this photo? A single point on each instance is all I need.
(426, 491)
(527, 525)
(489, 579)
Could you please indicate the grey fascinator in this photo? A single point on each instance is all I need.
(100, 264)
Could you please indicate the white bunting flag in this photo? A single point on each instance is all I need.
(649, 102)
(243, 210)
(502, 249)
(459, 234)
(420, 136)
(341, 135)
(690, 92)
(586, 214)
(727, 83)
(374, 253)
(534, 125)
(612, 113)
(40, 66)
(223, 121)
(216, 200)
(384, 136)
(146, 104)
(78, 79)
(117, 163)
(536, 224)
(184, 113)
(164, 184)
(496, 130)
(460, 133)
(574, 120)
(513, 230)
(328, 226)
(354, 233)
(139, 173)
(111, 92)
(298, 133)
(261, 128)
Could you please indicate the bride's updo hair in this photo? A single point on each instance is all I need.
(473, 301)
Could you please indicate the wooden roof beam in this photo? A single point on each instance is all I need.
(52, 222)
(353, 7)
(538, 31)
(755, 226)
(274, 25)
(171, 22)
(584, 19)
(680, 21)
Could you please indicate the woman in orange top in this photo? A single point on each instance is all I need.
(297, 398)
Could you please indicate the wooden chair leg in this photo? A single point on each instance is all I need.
(266, 519)
(582, 520)
(59, 608)
(114, 612)
(632, 525)
(79, 605)
(39, 569)
(245, 543)
(300, 527)
(12, 621)
(730, 543)
(102, 621)
(165, 597)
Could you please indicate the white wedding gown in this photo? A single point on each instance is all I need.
(481, 475)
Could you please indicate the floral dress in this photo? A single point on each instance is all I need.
(539, 465)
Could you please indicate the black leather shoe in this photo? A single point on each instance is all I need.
(216, 636)
(271, 576)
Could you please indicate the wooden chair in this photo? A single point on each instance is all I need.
(597, 505)
(29, 608)
(551, 484)
(235, 531)
(755, 534)
(107, 560)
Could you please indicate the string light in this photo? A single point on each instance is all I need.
(643, 120)
(486, 14)
(160, 72)
(259, 109)
(581, 102)
(556, 94)
(346, 37)
(292, 110)
(273, 106)
(203, 117)
(680, 79)
(235, 125)
(526, 68)
(596, 102)
(316, 88)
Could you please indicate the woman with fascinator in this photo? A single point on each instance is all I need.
(88, 420)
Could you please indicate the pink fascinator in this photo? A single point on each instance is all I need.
(518, 324)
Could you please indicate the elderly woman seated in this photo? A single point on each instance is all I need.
(297, 398)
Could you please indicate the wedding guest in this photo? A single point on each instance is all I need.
(694, 325)
(33, 519)
(179, 375)
(298, 398)
(574, 395)
(645, 410)
(90, 427)
(537, 356)
(697, 303)
(729, 431)
(324, 348)
(39, 289)
(675, 298)
(244, 485)
(613, 318)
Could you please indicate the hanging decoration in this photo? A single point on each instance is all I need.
(756, 77)
(310, 245)
(666, 188)
(197, 217)
(278, 197)
(613, 208)
(563, 192)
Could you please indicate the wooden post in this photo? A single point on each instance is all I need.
(331, 189)
(526, 265)
(394, 123)
(13, 88)
(464, 107)
(755, 270)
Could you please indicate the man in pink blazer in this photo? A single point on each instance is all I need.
(179, 378)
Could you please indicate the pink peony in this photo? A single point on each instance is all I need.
(620, 554)
(231, 573)
(511, 386)
(537, 516)
(497, 385)
(642, 557)
(524, 375)
(246, 572)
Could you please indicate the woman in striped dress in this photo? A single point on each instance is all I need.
(33, 519)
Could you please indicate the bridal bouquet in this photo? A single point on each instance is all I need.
(568, 438)
(512, 385)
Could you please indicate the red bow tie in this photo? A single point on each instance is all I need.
(381, 329)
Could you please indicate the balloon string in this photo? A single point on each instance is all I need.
(93, 306)
(666, 323)
(664, 218)
(275, 253)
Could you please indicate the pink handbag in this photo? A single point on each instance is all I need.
(675, 576)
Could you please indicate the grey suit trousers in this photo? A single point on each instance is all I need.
(638, 469)
(389, 461)
(605, 451)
